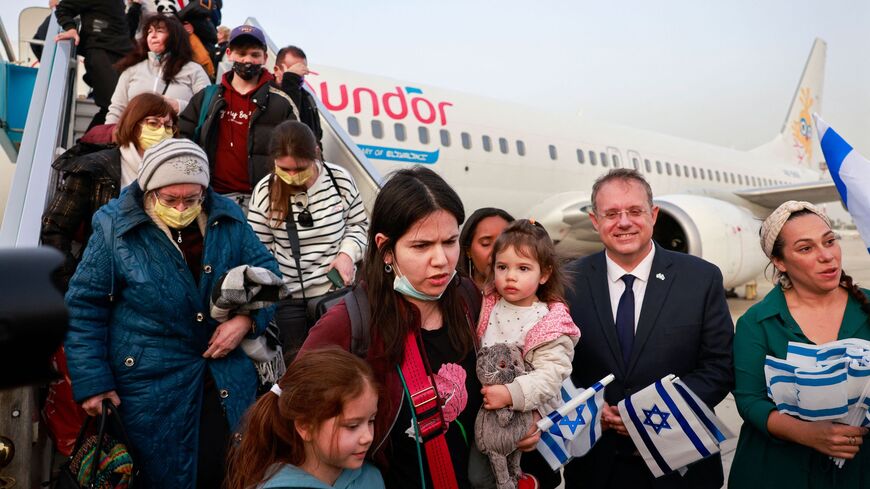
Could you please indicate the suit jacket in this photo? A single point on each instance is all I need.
(685, 329)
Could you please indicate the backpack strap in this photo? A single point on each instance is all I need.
(360, 312)
(207, 97)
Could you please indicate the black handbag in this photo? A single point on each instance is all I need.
(114, 467)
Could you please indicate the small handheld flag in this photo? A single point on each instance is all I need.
(671, 426)
(851, 174)
(572, 429)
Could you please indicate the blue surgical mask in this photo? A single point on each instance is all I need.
(404, 287)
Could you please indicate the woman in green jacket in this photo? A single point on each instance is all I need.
(814, 302)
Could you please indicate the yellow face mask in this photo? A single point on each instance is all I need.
(175, 218)
(149, 137)
(298, 179)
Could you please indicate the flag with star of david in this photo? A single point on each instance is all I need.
(670, 426)
(573, 435)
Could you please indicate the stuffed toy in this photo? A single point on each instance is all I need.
(497, 431)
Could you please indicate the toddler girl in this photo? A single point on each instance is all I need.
(527, 308)
(313, 430)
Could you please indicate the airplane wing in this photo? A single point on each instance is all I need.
(771, 197)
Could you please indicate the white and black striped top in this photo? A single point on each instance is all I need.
(340, 226)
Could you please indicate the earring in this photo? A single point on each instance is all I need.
(388, 268)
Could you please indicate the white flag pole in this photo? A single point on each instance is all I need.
(545, 423)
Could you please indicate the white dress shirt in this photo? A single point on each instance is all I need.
(617, 286)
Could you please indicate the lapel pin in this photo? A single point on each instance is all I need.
(660, 276)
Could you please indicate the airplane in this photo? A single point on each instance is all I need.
(541, 165)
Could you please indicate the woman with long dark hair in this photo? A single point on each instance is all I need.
(421, 318)
(478, 235)
(161, 63)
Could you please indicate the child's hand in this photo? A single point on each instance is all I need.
(496, 397)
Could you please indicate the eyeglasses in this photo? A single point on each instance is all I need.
(173, 201)
(155, 123)
(633, 213)
(300, 201)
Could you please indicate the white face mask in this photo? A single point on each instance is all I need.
(402, 285)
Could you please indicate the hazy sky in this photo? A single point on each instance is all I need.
(722, 72)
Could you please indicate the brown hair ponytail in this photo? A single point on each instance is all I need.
(314, 389)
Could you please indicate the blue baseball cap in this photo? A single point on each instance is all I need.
(247, 30)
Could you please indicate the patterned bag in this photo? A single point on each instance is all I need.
(114, 467)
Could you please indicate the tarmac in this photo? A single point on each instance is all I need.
(856, 262)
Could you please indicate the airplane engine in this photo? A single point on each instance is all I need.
(717, 231)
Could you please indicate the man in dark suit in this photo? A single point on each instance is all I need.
(644, 312)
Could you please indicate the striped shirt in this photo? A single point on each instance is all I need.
(340, 226)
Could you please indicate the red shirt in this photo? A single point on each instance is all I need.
(231, 157)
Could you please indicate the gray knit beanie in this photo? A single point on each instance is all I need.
(173, 161)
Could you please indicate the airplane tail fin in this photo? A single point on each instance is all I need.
(797, 140)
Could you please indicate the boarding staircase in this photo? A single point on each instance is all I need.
(58, 115)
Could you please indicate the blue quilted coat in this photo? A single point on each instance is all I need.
(139, 325)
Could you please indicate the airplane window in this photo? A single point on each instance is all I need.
(658, 167)
(353, 126)
(717, 176)
(592, 160)
(635, 163)
(677, 169)
(686, 171)
(503, 145)
(733, 180)
(694, 173)
(647, 164)
(581, 156)
(466, 140)
(740, 179)
(377, 129)
(668, 167)
(521, 148)
(709, 174)
(604, 161)
(553, 154)
(400, 131)
(487, 143)
(423, 132)
(445, 138)
(703, 177)
(615, 161)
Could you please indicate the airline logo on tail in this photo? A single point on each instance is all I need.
(802, 128)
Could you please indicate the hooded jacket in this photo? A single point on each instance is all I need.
(139, 324)
(272, 108)
(290, 477)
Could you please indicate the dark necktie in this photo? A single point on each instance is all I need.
(625, 318)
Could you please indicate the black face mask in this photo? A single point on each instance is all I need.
(247, 71)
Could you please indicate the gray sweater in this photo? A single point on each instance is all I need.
(147, 76)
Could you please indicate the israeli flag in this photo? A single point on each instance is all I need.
(671, 427)
(572, 434)
(829, 381)
(851, 174)
(811, 393)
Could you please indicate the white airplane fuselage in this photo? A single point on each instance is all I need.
(542, 165)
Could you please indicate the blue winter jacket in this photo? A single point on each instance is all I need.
(139, 325)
